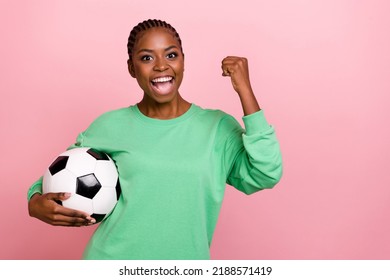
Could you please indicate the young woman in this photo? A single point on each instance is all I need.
(174, 158)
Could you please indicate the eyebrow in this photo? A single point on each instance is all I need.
(151, 51)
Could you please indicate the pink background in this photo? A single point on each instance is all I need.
(321, 71)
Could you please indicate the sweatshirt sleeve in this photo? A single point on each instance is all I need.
(36, 187)
(255, 157)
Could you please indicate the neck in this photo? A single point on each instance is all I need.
(163, 111)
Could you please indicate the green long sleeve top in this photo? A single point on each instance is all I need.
(173, 175)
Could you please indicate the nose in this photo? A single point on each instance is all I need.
(160, 65)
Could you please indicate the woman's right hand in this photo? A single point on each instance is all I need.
(45, 208)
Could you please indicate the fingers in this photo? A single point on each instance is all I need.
(58, 197)
(47, 208)
(233, 64)
(237, 69)
(69, 217)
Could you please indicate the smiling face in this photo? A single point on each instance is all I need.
(158, 64)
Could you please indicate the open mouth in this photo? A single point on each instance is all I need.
(163, 85)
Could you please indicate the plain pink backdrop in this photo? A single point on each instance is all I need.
(320, 69)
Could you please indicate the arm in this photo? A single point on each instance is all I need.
(258, 164)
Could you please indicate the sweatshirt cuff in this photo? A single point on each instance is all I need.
(35, 188)
(255, 123)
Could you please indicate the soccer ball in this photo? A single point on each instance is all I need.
(90, 176)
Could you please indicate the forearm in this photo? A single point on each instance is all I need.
(249, 102)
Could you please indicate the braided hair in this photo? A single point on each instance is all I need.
(145, 25)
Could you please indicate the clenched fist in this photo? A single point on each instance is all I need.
(237, 69)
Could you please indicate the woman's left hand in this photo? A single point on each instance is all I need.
(237, 69)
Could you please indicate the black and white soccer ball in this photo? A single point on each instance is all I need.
(90, 176)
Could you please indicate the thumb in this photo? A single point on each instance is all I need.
(58, 197)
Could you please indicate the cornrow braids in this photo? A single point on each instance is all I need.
(145, 25)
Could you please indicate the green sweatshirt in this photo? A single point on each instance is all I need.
(173, 175)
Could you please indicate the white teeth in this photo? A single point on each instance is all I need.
(162, 79)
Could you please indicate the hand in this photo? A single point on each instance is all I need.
(237, 69)
(45, 208)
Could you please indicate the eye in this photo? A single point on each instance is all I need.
(172, 55)
(146, 58)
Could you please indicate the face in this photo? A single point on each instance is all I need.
(158, 64)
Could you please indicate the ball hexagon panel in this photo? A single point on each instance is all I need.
(79, 202)
(106, 173)
(104, 201)
(63, 181)
(81, 163)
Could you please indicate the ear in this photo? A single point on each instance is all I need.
(130, 67)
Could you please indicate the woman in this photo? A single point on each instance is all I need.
(174, 158)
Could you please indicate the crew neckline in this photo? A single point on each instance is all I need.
(140, 116)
